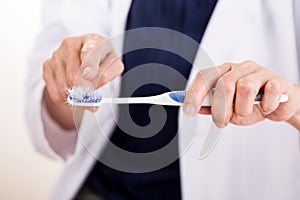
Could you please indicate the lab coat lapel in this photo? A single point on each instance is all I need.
(237, 31)
(211, 40)
(119, 13)
(219, 43)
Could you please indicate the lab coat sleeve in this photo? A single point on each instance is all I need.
(48, 40)
(297, 28)
(47, 136)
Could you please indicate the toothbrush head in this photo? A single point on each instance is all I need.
(78, 95)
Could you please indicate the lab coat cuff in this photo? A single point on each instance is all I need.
(37, 120)
(60, 140)
(35, 123)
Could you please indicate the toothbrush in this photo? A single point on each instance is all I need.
(78, 97)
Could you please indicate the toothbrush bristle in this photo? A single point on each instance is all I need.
(79, 95)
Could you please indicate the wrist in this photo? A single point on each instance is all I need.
(61, 113)
(295, 119)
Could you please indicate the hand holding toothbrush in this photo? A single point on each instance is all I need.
(89, 59)
(236, 87)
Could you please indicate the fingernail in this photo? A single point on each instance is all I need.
(189, 109)
(86, 71)
(266, 112)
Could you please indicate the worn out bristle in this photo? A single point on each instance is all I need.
(79, 95)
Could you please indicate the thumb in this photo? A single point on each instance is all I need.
(89, 69)
(90, 59)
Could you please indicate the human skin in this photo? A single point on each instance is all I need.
(236, 85)
(73, 61)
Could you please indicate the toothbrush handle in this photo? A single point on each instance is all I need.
(179, 96)
(131, 100)
(169, 100)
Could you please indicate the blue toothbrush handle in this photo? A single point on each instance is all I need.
(178, 96)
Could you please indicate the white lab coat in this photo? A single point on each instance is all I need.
(254, 162)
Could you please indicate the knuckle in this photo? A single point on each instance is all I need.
(246, 86)
(46, 67)
(45, 77)
(70, 43)
(55, 56)
(273, 87)
(249, 63)
(226, 84)
(226, 64)
(67, 40)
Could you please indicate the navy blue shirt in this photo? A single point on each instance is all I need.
(189, 17)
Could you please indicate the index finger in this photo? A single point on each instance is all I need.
(204, 80)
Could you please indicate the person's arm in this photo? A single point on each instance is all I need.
(51, 125)
(236, 86)
(295, 120)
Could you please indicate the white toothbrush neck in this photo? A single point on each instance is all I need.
(162, 99)
(131, 100)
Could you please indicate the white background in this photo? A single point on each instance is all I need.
(24, 174)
